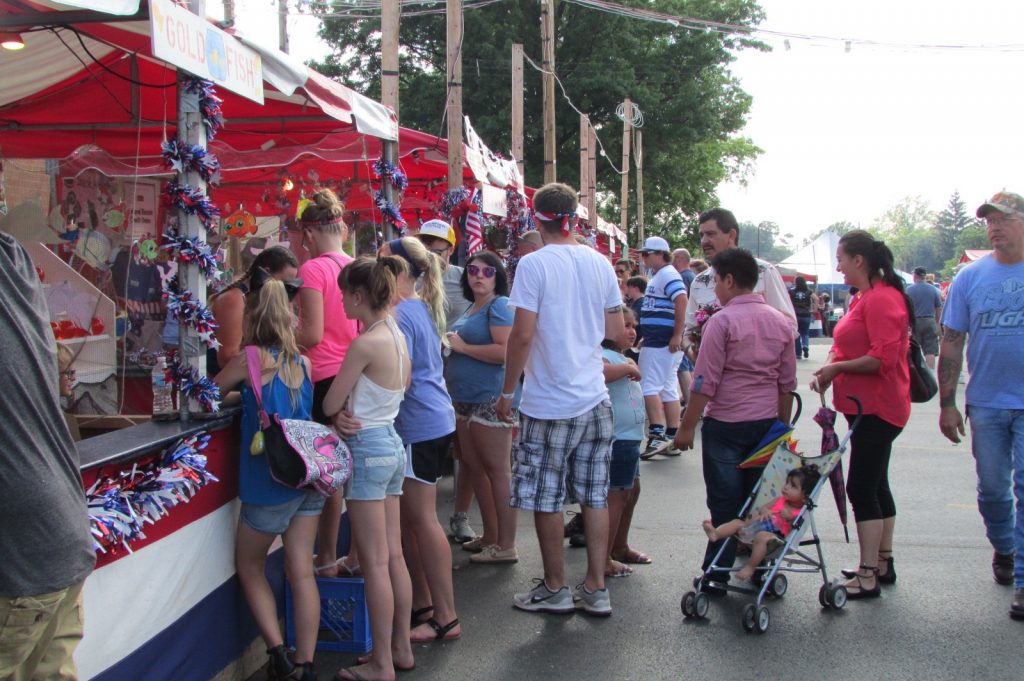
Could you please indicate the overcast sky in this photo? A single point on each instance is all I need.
(848, 134)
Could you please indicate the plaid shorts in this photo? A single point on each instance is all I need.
(559, 456)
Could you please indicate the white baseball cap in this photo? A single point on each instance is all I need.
(655, 243)
(439, 229)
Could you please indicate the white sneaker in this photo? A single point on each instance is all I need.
(543, 599)
(597, 603)
(459, 525)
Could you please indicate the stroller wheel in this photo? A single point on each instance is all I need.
(762, 620)
(838, 596)
(749, 615)
(688, 604)
(779, 586)
(823, 596)
(701, 605)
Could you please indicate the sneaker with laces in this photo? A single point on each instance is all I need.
(596, 603)
(656, 444)
(543, 599)
(459, 525)
(1002, 568)
(494, 555)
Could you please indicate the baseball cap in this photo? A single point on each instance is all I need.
(1004, 202)
(655, 243)
(920, 271)
(439, 229)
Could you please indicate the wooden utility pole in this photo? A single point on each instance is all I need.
(592, 169)
(454, 102)
(639, 157)
(627, 127)
(390, 13)
(547, 24)
(517, 108)
(585, 168)
(282, 25)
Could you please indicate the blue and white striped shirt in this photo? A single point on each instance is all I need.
(658, 315)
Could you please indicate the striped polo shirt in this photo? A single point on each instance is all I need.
(658, 315)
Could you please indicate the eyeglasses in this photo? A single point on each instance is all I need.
(1004, 219)
(487, 271)
(439, 252)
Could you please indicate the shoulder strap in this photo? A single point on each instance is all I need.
(334, 257)
(252, 356)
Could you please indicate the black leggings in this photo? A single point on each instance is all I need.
(868, 485)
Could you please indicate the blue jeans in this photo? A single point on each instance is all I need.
(997, 442)
(803, 329)
(724, 446)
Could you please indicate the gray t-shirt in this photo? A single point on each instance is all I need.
(925, 298)
(455, 303)
(44, 524)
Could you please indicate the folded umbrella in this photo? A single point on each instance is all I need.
(826, 418)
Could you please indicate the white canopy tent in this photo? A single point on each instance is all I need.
(817, 258)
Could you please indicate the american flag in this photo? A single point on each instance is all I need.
(474, 226)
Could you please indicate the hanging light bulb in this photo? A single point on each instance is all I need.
(287, 184)
(11, 41)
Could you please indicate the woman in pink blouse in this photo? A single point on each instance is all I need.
(869, 361)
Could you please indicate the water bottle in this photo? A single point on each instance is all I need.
(163, 397)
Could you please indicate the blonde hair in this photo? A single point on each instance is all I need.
(324, 214)
(270, 322)
(431, 286)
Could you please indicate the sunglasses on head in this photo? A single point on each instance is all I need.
(475, 270)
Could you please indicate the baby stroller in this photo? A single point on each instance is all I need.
(787, 555)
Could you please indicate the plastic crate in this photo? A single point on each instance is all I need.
(344, 619)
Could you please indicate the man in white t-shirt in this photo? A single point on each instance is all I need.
(719, 231)
(567, 301)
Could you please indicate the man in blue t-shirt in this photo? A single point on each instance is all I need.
(927, 310)
(661, 325)
(986, 303)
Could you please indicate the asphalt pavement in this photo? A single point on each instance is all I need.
(944, 619)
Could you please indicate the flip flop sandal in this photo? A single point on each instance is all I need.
(626, 571)
(634, 558)
(349, 674)
(442, 632)
(365, 659)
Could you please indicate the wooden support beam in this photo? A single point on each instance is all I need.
(547, 22)
(517, 108)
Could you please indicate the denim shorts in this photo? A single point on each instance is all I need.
(483, 413)
(378, 464)
(276, 519)
(625, 466)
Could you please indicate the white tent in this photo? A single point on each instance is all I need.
(817, 258)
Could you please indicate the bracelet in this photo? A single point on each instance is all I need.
(508, 396)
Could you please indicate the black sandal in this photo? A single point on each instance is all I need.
(887, 577)
(442, 631)
(862, 591)
(418, 614)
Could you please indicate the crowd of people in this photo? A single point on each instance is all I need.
(539, 388)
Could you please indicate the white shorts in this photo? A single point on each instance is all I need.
(658, 373)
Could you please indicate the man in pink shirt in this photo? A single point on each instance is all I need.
(741, 384)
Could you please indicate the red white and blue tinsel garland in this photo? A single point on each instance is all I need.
(193, 384)
(120, 506)
(193, 201)
(451, 199)
(518, 219)
(181, 157)
(385, 171)
(209, 104)
(183, 306)
(194, 251)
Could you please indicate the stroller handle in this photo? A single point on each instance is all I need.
(799, 407)
(860, 411)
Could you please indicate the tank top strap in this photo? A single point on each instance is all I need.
(398, 349)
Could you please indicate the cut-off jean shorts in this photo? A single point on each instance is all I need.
(275, 519)
(483, 413)
(378, 464)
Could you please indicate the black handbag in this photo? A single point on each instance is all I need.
(923, 386)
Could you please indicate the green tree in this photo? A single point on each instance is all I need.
(693, 107)
(907, 231)
(840, 228)
(765, 241)
(950, 223)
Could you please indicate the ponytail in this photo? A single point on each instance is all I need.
(431, 290)
(270, 322)
(376, 278)
(879, 259)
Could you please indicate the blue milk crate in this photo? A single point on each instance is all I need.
(344, 618)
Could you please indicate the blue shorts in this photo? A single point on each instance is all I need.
(685, 364)
(276, 519)
(625, 466)
(378, 464)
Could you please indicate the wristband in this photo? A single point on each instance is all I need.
(508, 396)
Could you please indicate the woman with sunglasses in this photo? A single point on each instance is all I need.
(476, 370)
(228, 306)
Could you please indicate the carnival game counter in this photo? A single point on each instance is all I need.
(171, 607)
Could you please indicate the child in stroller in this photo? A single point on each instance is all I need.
(770, 522)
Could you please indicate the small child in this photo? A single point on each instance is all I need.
(771, 521)
(622, 376)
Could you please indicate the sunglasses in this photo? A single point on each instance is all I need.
(486, 271)
(439, 252)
